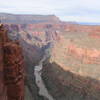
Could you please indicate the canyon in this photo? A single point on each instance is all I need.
(70, 70)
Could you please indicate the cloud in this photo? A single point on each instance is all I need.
(69, 10)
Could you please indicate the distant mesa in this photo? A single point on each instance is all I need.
(28, 19)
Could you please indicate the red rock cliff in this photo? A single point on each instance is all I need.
(11, 69)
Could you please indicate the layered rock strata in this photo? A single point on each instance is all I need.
(11, 68)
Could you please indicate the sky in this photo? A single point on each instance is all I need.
(66, 10)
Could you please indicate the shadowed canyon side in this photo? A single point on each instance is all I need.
(11, 68)
(65, 85)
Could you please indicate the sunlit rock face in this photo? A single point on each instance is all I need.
(78, 55)
(11, 68)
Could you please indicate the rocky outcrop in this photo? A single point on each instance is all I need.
(11, 68)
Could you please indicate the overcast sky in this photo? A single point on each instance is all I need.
(68, 10)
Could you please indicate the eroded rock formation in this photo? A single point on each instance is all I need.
(11, 68)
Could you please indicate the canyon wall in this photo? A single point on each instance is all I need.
(11, 68)
(72, 72)
(66, 85)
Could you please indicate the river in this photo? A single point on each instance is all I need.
(38, 79)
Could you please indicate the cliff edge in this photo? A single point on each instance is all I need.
(11, 68)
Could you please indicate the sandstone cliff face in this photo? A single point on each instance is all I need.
(11, 68)
(86, 55)
(79, 59)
